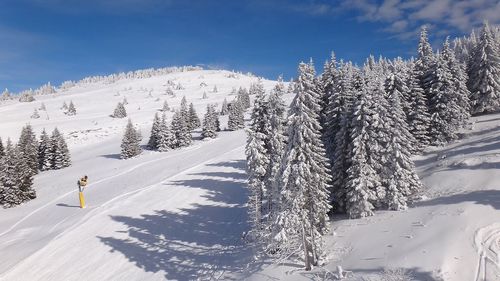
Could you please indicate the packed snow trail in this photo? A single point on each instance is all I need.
(487, 243)
(41, 226)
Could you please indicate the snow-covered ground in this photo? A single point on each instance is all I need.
(181, 214)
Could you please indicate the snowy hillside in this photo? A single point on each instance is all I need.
(180, 215)
(199, 183)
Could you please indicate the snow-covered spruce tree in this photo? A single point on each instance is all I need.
(180, 130)
(424, 61)
(184, 111)
(395, 85)
(42, 107)
(165, 138)
(71, 109)
(215, 89)
(362, 180)
(130, 146)
(35, 114)
(442, 105)
(329, 80)
(484, 74)
(339, 118)
(59, 151)
(209, 129)
(28, 146)
(16, 178)
(2, 149)
(120, 111)
(44, 155)
(244, 96)
(194, 120)
(458, 83)
(155, 132)
(257, 163)
(165, 107)
(256, 87)
(418, 117)
(224, 109)
(236, 116)
(276, 145)
(401, 182)
(205, 96)
(259, 116)
(64, 106)
(304, 176)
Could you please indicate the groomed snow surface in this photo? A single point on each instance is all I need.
(180, 215)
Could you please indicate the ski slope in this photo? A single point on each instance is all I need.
(180, 215)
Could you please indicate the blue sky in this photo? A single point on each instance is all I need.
(57, 40)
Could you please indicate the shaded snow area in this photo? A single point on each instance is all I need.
(181, 214)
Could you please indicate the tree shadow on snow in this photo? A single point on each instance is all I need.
(202, 241)
(111, 156)
(483, 197)
(376, 274)
(66, 205)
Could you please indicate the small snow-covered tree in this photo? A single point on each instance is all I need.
(244, 97)
(180, 129)
(28, 147)
(42, 107)
(236, 116)
(165, 107)
(224, 110)
(130, 146)
(64, 107)
(119, 111)
(44, 154)
(193, 119)
(71, 109)
(60, 156)
(165, 138)
(155, 132)
(209, 129)
(205, 96)
(35, 114)
(484, 74)
(215, 89)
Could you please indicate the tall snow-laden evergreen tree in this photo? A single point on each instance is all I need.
(155, 132)
(259, 116)
(329, 80)
(130, 146)
(184, 112)
(443, 108)
(120, 111)
(276, 139)
(28, 146)
(304, 175)
(165, 138)
(256, 88)
(484, 74)
(44, 154)
(338, 128)
(401, 181)
(209, 129)
(418, 117)
(424, 61)
(362, 180)
(59, 151)
(458, 84)
(257, 163)
(194, 120)
(224, 109)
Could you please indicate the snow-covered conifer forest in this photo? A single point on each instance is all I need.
(386, 170)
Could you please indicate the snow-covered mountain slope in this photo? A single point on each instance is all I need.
(198, 190)
(181, 214)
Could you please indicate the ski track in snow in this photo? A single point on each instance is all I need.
(487, 243)
(50, 203)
